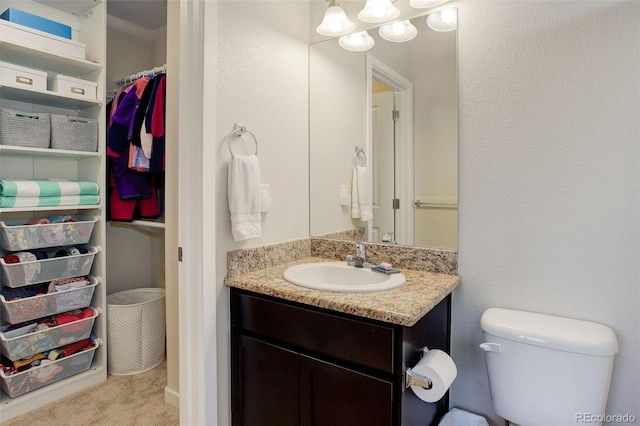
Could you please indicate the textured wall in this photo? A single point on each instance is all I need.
(261, 83)
(549, 177)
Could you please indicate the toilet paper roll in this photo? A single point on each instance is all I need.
(440, 369)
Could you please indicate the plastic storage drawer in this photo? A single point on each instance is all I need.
(27, 129)
(37, 377)
(27, 345)
(29, 308)
(15, 236)
(40, 271)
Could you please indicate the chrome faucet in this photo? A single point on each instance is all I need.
(359, 260)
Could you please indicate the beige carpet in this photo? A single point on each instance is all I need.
(136, 400)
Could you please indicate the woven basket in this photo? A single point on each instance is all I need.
(29, 129)
(74, 133)
(135, 330)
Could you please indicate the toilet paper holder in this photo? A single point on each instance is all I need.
(414, 379)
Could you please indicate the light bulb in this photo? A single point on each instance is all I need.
(398, 32)
(335, 22)
(448, 16)
(397, 28)
(377, 11)
(444, 20)
(357, 42)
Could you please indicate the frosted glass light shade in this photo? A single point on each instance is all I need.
(335, 22)
(377, 11)
(398, 31)
(357, 42)
(421, 4)
(443, 20)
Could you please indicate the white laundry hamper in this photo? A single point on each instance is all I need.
(135, 330)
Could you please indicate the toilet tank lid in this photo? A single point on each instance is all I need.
(554, 332)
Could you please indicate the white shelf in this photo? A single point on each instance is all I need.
(37, 57)
(52, 99)
(47, 152)
(48, 209)
(25, 162)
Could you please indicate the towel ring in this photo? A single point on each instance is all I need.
(360, 155)
(238, 131)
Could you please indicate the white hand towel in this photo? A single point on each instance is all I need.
(360, 196)
(244, 197)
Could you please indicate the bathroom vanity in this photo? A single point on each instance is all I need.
(303, 357)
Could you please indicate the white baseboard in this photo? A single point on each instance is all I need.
(171, 397)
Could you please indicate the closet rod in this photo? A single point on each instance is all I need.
(133, 77)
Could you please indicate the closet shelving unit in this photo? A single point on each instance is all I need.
(89, 18)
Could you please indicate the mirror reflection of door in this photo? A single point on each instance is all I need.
(382, 161)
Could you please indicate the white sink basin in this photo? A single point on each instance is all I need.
(338, 276)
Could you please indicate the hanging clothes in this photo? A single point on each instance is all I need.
(135, 150)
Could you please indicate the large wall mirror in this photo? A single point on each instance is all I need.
(402, 167)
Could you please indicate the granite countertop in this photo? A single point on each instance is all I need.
(403, 305)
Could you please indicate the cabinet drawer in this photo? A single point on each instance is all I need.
(314, 331)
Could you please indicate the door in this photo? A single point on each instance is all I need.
(382, 162)
(264, 383)
(331, 395)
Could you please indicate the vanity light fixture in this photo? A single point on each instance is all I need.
(357, 42)
(398, 31)
(335, 21)
(376, 11)
(443, 20)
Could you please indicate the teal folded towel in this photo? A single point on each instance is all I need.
(63, 200)
(46, 187)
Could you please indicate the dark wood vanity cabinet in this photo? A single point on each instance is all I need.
(294, 364)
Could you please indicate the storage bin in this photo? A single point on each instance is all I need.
(28, 129)
(66, 85)
(37, 377)
(30, 308)
(74, 133)
(36, 22)
(40, 40)
(27, 345)
(135, 330)
(15, 236)
(39, 271)
(23, 77)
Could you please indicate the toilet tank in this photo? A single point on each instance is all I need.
(547, 370)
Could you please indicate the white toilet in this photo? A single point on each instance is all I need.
(546, 370)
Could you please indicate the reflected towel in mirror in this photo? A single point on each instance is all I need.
(360, 196)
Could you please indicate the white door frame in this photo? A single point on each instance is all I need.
(403, 89)
(195, 235)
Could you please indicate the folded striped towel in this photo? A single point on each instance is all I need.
(62, 200)
(46, 187)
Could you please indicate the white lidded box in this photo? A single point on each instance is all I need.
(23, 77)
(30, 342)
(36, 377)
(71, 86)
(42, 305)
(40, 40)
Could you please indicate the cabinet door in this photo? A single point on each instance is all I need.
(331, 395)
(264, 383)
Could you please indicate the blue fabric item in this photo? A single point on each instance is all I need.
(36, 22)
